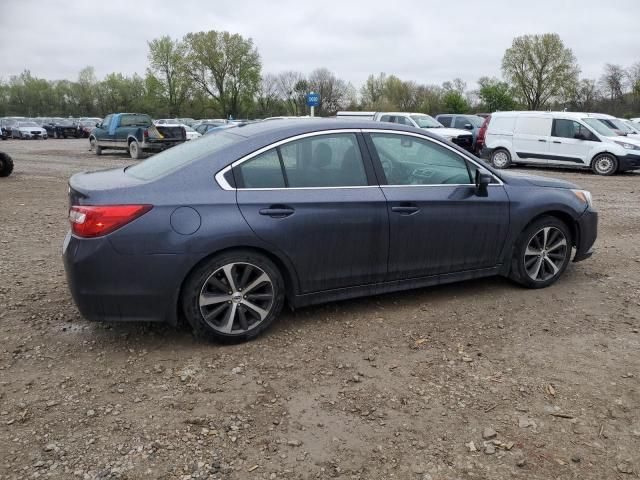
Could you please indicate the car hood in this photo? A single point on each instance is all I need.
(448, 132)
(29, 129)
(522, 179)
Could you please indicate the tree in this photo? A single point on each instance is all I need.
(226, 66)
(540, 68)
(167, 63)
(268, 102)
(586, 95)
(292, 91)
(454, 102)
(373, 90)
(495, 95)
(84, 91)
(613, 81)
(333, 91)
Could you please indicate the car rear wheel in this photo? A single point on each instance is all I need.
(604, 164)
(541, 253)
(55, 134)
(500, 158)
(6, 165)
(233, 297)
(134, 150)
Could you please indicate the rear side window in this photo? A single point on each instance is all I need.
(262, 171)
(324, 161)
(533, 126)
(386, 118)
(444, 120)
(408, 160)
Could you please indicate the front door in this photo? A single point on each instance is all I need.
(315, 200)
(570, 143)
(438, 224)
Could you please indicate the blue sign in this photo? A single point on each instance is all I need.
(313, 99)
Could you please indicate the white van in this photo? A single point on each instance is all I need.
(558, 138)
(462, 138)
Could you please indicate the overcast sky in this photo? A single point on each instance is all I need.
(422, 40)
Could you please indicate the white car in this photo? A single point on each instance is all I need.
(191, 133)
(561, 139)
(28, 130)
(616, 125)
(631, 125)
(462, 138)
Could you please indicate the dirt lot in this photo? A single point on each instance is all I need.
(399, 386)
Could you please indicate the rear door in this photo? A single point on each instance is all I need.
(571, 143)
(438, 224)
(315, 200)
(531, 138)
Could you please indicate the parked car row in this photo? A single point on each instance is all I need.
(44, 127)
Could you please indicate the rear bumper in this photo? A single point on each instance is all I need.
(108, 286)
(151, 146)
(587, 233)
(631, 161)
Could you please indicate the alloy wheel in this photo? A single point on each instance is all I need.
(236, 298)
(546, 252)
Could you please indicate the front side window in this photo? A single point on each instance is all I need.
(444, 120)
(106, 122)
(569, 129)
(404, 121)
(408, 160)
(462, 122)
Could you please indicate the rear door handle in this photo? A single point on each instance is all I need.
(541, 140)
(556, 141)
(277, 211)
(405, 209)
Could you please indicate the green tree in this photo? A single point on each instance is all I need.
(454, 102)
(495, 95)
(167, 63)
(373, 90)
(226, 66)
(540, 67)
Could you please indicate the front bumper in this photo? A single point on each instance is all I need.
(587, 233)
(108, 286)
(630, 161)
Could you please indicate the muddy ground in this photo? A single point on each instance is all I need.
(399, 386)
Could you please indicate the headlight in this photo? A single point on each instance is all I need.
(628, 146)
(584, 196)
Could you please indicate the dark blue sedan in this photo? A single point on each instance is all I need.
(225, 230)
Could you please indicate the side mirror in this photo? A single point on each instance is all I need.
(483, 179)
(468, 126)
(580, 136)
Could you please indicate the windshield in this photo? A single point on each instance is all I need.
(599, 127)
(28, 124)
(620, 125)
(635, 128)
(177, 157)
(425, 121)
(65, 123)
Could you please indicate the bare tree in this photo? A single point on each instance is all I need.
(286, 83)
(333, 91)
(613, 81)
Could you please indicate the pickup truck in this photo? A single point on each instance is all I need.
(135, 133)
(462, 138)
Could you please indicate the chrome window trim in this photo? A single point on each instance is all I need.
(222, 182)
(438, 142)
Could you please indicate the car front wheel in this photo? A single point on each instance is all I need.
(604, 164)
(541, 253)
(233, 297)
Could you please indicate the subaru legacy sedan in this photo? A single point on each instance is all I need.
(225, 231)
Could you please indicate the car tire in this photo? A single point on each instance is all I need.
(253, 309)
(6, 165)
(500, 158)
(93, 146)
(604, 164)
(55, 134)
(134, 150)
(541, 253)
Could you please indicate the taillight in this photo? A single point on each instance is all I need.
(90, 221)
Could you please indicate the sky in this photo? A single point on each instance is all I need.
(422, 40)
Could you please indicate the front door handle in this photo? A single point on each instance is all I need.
(277, 211)
(405, 209)
(542, 140)
(556, 141)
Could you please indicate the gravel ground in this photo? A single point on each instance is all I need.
(478, 380)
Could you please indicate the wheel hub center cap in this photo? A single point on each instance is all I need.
(236, 297)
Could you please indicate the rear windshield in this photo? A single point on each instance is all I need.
(132, 120)
(177, 157)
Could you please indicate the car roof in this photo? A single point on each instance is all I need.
(570, 115)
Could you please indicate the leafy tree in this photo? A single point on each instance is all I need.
(226, 66)
(495, 95)
(373, 90)
(454, 102)
(167, 63)
(540, 68)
